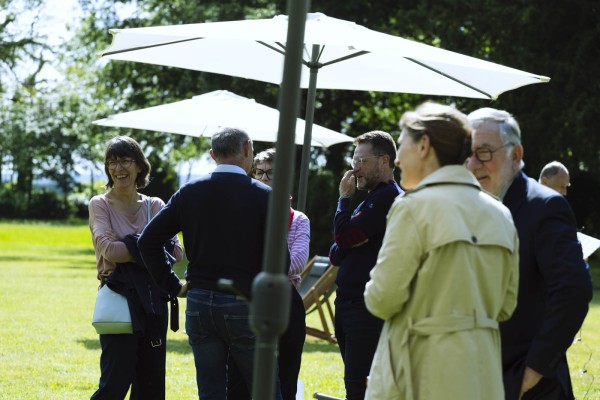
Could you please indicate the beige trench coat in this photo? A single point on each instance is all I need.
(446, 273)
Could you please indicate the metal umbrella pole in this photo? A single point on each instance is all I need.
(269, 309)
(309, 119)
(311, 95)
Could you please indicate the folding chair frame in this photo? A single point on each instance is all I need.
(317, 296)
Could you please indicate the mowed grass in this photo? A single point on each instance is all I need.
(48, 347)
(49, 350)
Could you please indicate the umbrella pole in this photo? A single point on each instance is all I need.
(309, 119)
(270, 305)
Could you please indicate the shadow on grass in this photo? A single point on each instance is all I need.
(15, 258)
(320, 347)
(80, 265)
(31, 257)
(81, 252)
(66, 262)
(71, 221)
(90, 344)
(179, 346)
(42, 256)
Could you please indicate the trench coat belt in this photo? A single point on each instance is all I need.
(435, 326)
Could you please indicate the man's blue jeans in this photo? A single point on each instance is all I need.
(217, 326)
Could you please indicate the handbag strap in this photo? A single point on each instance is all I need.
(148, 208)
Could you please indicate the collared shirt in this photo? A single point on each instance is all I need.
(233, 169)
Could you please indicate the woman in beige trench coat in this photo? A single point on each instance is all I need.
(446, 273)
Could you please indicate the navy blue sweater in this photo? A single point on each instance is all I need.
(358, 238)
(222, 217)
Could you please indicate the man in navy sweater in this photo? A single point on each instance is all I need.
(358, 237)
(222, 217)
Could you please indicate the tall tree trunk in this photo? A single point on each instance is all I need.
(24, 184)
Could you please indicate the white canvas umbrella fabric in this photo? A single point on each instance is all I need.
(350, 57)
(205, 114)
(342, 54)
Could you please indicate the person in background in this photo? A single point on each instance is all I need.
(358, 235)
(299, 226)
(446, 273)
(137, 360)
(554, 286)
(222, 217)
(291, 342)
(556, 176)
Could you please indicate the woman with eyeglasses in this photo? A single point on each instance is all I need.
(447, 271)
(291, 342)
(116, 217)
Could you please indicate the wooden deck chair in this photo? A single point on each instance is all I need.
(318, 283)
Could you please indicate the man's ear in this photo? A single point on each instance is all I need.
(212, 155)
(517, 154)
(247, 148)
(386, 159)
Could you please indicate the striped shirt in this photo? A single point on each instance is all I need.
(298, 242)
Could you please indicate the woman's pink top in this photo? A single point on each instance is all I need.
(298, 241)
(106, 219)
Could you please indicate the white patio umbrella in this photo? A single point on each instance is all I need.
(203, 115)
(350, 56)
(343, 54)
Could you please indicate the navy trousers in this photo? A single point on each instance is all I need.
(357, 332)
(291, 345)
(131, 360)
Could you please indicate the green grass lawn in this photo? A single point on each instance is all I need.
(49, 350)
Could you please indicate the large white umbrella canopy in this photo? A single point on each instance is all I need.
(342, 54)
(350, 57)
(205, 114)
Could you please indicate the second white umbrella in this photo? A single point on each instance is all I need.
(203, 115)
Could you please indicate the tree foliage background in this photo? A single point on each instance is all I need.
(554, 38)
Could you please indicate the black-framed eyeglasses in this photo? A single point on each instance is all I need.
(259, 173)
(483, 154)
(123, 163)
(361, 160)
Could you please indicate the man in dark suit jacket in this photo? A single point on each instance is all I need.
(222, 217)
(554, 286)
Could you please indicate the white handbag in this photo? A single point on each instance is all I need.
(111, 312)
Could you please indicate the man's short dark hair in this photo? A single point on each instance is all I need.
(228, 142)
(382, 143)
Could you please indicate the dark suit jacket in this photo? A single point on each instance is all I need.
(554, 286)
